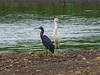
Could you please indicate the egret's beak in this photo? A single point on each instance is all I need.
(58, 19)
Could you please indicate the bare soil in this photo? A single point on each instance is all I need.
(84, 62)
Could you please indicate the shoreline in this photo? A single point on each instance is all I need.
(71, 63)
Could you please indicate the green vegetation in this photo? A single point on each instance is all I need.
(14, 12)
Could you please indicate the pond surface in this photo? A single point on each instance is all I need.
(79, 27)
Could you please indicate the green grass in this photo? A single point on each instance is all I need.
(42, 11)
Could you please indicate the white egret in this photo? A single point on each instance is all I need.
(56, 35)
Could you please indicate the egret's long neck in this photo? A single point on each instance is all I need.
(55, 24)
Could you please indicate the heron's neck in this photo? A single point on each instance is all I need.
(41, 34)
(55, 24)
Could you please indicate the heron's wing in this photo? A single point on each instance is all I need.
(47, 43)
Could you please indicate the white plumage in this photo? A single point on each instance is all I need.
(56, 34)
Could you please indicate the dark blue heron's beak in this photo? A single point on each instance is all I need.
(37, 28)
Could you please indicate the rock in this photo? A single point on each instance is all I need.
(91, 49)
(46, 59)
(17, 70)
(87, 62)
(32, 55)
(25, 59)
(71, 71)
(82, 57)
(98, 58)
(60, 74)
(88, 68)
(78, 73)
(38, 70)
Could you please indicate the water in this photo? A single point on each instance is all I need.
(79, 27)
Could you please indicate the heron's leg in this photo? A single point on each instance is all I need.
(50, 53)
(46, 52)
(59, 46)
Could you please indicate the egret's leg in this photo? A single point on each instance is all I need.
(55, 47)
(59, 46)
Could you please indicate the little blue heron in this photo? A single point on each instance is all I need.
(46, 41)
(56, 34)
